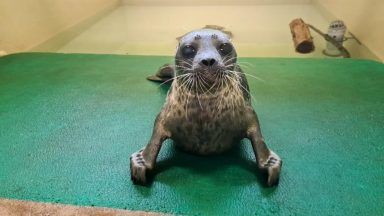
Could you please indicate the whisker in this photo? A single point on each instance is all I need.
(205, 84)
(183, 61)
(239, 84)
(245, 63)
(214, 84)
(228, 60)
(244, 66)
(253, 76)
(173, 78)
(197, 95)
(182, 67)
(199, 82)
(187, 83)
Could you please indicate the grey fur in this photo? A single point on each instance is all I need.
(208, 108)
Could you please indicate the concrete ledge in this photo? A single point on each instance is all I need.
(18, 207)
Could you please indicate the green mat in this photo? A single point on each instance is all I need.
(69, 122)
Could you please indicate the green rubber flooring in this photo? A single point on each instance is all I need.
(69, 122)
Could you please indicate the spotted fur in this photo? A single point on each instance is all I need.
(208, 108)
(206, 124)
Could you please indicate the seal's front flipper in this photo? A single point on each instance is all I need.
(164, 74)
(144, 160)
(267, 161)
(138, 168)
(272, 165)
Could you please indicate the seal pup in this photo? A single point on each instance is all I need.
(208, 107)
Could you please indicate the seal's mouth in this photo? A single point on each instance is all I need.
(202, 79)
(211, 79)
(210, 75)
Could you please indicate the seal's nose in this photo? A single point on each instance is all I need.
(208, 62)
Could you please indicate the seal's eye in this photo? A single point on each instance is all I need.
(188, 51)
(225, 48)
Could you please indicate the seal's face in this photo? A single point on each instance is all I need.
(204, 57)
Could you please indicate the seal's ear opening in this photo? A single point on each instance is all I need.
(164, 74)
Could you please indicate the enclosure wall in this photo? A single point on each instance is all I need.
(25, 24)
(364, 18)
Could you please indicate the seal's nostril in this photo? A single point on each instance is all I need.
(205, 62)
(208, 62)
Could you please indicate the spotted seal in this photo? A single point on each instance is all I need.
(208, 108)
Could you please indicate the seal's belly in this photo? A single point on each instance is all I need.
(205, 124)
(205, 132)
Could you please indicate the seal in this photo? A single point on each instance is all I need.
(208, 107)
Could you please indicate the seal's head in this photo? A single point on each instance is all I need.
(205, 56)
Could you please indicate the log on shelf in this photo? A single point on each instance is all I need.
(301, 36)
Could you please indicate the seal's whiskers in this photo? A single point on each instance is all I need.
(171, 79)
(245, 89)
(245, 64)
(248, 74)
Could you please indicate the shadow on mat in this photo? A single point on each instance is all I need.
(206, 165)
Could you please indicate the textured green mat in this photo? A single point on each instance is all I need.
(68, 123)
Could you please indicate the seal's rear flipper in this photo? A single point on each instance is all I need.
(164, 74)
(155, 78)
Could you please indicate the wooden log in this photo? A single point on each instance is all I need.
(301, 36)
